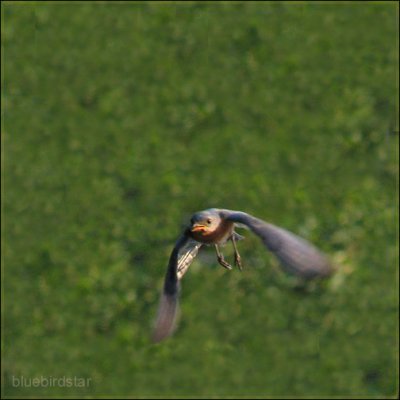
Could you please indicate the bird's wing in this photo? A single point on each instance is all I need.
(186, 255)
(182, 255)
(296, 254)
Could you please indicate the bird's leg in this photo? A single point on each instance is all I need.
(221, 259)
(238, 259)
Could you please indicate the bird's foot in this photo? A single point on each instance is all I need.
(238, 261)
(224, 263)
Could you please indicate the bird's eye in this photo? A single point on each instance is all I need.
(209, 221)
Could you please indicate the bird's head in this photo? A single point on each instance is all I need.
(205, 222)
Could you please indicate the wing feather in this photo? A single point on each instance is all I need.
(182, 255)
(297, 255)
(186, 255)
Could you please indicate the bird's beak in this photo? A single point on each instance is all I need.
(197, 227)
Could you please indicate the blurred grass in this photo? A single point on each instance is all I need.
(120, 120)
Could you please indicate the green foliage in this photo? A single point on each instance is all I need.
(122, 119)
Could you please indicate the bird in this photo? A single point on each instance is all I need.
(216, 227)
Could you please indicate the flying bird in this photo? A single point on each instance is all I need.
(217, 227)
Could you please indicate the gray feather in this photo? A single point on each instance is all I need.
(297, 255)
(186, 255)
(165, 323)
(182, 255)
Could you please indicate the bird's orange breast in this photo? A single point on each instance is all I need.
(217, 236)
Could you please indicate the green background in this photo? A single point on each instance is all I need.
(122, 119)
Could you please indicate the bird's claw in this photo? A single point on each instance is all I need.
(238, 262)
(225, 264)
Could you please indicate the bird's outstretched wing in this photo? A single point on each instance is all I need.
(297, 256)
(182, 255)
(186, 255)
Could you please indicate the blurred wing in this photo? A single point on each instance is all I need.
(297, 256)
(182, 255)
(186, 255)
